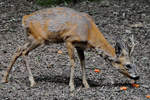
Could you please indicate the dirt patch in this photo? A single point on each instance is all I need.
(51, 69)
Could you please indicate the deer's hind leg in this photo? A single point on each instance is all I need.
(32, 46)
(16, 55)
(21, 51)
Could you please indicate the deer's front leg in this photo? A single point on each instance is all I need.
(82, 61)
(70, 49)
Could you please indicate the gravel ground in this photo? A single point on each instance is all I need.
(51, 69)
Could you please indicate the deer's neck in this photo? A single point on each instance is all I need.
(97, 40)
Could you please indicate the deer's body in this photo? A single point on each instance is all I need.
(76, 29)
(65, 24)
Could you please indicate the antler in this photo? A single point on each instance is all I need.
(131, 47)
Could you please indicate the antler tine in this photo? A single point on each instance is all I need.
(132, 45)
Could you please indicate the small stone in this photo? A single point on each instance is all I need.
(137, 25)
(128, 31)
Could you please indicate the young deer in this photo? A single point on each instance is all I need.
(77, 30)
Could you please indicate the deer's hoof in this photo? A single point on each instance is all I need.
(4, 81)
(86, 85)
(32, 84)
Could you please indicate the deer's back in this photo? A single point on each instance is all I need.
(58, 23)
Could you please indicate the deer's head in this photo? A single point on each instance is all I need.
(122, 61)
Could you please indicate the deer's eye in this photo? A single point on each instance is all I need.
(128, 66)
(118, 62)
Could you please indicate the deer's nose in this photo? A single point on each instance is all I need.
(135, 77)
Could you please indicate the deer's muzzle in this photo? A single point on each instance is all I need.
(130, 71)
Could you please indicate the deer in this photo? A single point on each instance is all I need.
(79, 32)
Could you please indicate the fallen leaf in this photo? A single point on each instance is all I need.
(97, 70)
(148, 96)
(123, 88)
(135, 85)
(59, 52)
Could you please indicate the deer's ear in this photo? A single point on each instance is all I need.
(118, 49)
(131, 45)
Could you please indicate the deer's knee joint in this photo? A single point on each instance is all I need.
(24, 53)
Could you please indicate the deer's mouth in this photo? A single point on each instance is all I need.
(133, 76)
